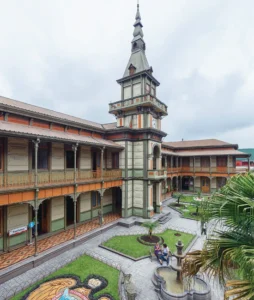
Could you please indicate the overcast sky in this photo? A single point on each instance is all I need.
(66, 56)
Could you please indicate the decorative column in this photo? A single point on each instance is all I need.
(36, 206)
(75, 148)
(102, 156)
(36, 146)
(101, 220)
(102, 191)
(194, 162)
(100, 212)
(248, 164)
(171, 164)
(210, 169)
(228, 165)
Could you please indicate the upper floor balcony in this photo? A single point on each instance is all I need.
(146, 100)
(26, 180)
(210, 170)
(157, 174)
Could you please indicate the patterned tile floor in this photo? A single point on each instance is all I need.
(8, 259)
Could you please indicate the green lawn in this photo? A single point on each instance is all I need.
(130, 246)
(189, 199)
(188, 214)
(82, 267)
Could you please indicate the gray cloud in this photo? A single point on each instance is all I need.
(66, 56)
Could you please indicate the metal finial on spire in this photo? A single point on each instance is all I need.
(138, 17)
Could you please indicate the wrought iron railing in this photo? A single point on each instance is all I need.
(27, 179)
(226, 170)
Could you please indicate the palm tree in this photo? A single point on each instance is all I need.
(150, 226)
(229, 252)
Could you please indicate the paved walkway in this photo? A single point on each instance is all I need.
(15, 256)
(141, 271)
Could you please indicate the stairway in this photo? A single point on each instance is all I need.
(164, 218)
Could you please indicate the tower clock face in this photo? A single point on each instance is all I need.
(154, 123)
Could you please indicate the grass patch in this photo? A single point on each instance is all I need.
(129, 245)
(188, 214)
(189, 199)
(82, 267)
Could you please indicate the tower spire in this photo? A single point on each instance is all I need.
(138, 61)
(138, 42)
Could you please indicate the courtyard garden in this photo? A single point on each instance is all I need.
(85, 278)
(131, 245)
(189, 207)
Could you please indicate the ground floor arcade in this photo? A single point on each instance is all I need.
(55, 215)
(195, 184)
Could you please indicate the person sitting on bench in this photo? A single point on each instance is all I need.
(165, 254)
(157, 250)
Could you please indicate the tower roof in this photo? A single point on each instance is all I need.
(138, 57)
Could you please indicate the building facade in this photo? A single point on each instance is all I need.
(59, 171)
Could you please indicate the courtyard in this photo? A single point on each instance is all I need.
(90, 259)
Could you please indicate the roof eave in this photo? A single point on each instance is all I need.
(42, 137)
(145, 72)
(31, 114)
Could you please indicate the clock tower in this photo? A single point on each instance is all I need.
(139, 113)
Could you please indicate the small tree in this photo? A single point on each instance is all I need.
(150, 226)
(178, 196)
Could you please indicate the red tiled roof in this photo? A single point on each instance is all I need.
(213, 152)
(197, 143)
(24, 107)
(16, 129)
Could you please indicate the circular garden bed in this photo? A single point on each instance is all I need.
(177, 234)
(150, 240)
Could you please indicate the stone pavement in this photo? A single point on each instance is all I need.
(15, 256)
(141, 271)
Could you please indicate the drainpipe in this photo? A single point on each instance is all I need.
(36, 207)
(75, 148)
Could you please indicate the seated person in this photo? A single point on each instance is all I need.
(165, 254)
(157, 250)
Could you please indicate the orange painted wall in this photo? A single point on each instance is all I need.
(10, 198)
(40, 124)
(18, 119)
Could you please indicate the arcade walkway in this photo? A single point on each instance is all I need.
(15, 256)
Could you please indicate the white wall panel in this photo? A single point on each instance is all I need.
(57, 156)
(17, 159)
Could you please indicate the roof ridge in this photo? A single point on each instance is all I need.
(46, 109)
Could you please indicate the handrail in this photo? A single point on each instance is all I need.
(26, 179)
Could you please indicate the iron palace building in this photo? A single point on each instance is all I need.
(58, 171)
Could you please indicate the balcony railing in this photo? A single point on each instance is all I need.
(147, 98)
(27, 180)
(173, 170)
(224, 170)
(157, 174)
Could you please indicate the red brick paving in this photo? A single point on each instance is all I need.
(8, 259)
